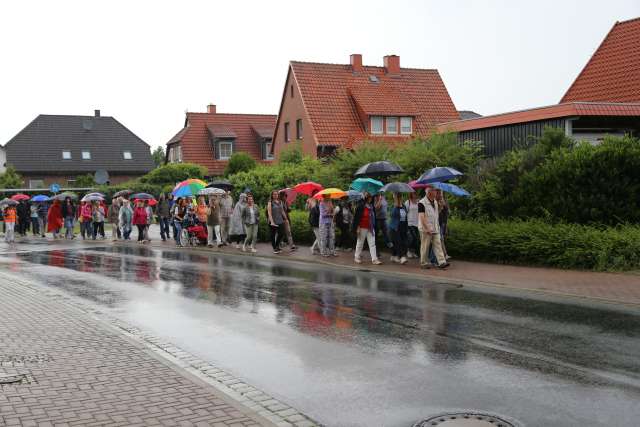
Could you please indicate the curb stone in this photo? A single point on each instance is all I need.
(246, 395)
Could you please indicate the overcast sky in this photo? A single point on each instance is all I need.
(146, 63)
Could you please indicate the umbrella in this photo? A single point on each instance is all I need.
(416, 185)
(123, 193)
(334, 193)
(354, 195)
(291, 194)
(8, 202)
(221, 183)
(92, 198)
(438, 174)
(142, 196)
(63, 196)
(188, 187)
(19, 197)
(370, 185)
(379, 169)
(40, 198)
(152, 202)
(397, 187)
(307, 188)
(210, 191)
(450, 188)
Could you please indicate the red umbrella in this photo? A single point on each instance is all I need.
(291, 194)
(152, 202)
(415, 185)
(19, 197)
(308, 188)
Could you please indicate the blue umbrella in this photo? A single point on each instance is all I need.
(40, 198)
(354, 195)
(438, 174)
(370, 185)
(450, 188)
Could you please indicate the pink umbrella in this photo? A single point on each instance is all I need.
(291, 194)
(415, 185)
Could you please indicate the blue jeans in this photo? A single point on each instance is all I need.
(68, 225)
(164, 228)
(178, 226)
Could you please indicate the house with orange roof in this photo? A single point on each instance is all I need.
(210, 139)
(327, 106)
(603, 100)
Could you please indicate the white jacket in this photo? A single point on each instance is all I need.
(431, 213)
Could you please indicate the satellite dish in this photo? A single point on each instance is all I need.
(101, 177)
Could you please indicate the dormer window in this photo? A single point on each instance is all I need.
(392, 125)
(86, 155)
(127, 155)
(377, 125)
(66, 155)
(406, 125)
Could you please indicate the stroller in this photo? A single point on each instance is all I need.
(193, 232)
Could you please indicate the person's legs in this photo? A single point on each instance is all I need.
(401, 245)
(254, 236)
(274, 237)
(324, 239)
(361, 234)
(94, 230)
(216, 229)
(425, 243)
(146, 232)
(210, 235)
(161, 224)
(178, 227)
(68, 225)
(10, 233)
(331, 244)
(316, 243)
(371, 241)
(102, 229)
(395, 236)
(437, 250)
(140, 232)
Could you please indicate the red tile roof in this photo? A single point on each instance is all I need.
(328, 92)
(570, 109)
(613, 72)
(195, 137)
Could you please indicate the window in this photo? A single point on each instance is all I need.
(406, 127)
(178, 153)
(299, 129)
(376, 125)
(71, 183)
(127, 155)
(291, 90)
(286, 132)
(36, 183)
(226, 150)
(392, 125)
(268, 155)
(66, 155)
(86, 155)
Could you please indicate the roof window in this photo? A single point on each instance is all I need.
(374, 79)
(66, 155)
(86, 155)
(127, 155)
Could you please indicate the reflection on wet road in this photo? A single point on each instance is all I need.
(353, 348)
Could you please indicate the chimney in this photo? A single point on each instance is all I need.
(356, 62)
(96, 113)
(211, 108)
(392, 64)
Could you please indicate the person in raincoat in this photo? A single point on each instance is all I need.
(237, 232)
(113, 218)
(98, 214)
(413, 240)
(149, 210)
(69, 215)
(250, 215)
(140, 219)
(10, 218)
(43, 209)
(327, 227)
(213, 222)
(125, 218)
(287, 225)
(364, 225)
(54, 219)
(226, 210)
(86, 219)
(164, 215)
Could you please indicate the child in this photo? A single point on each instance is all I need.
(10, 216)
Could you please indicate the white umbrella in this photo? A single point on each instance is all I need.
(211, 191)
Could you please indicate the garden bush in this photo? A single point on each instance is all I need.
(239, 162)
(537, 242)
(172, 173)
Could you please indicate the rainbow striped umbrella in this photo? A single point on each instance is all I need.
(189, 187)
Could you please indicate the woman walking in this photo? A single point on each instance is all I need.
(149, 210)
(364, 223)
(250, 218)
(277, 218)
(97, 215)
(398, 227)
(314, 221)
(327, 228)
(287, 225)
(164, 214)
(413, 234)
(85, 218)
(140, 220)
(213, 222)
(125, 218)
(114, 218)
(35, 225)
(238, 232)
(54, 219)
(179, 211)
(344, 219)
(69, 215)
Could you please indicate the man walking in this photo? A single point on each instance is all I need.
(226, 211)
(164, 215)
(429, 227)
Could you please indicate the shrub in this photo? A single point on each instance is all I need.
(292, 154)
(300, 229)
(239, 162)
(135, 185)
(10, 178)
(85, 181)
(537, 242)
(173, 173)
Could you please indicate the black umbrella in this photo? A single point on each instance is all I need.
(142, 196)
(222, 184)
(378, 169)
(123, 193)
(63, 196)
(397, 187)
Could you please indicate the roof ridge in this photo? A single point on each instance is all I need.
(76, 115)
(231, 114)
(364, 66)
(627, 21)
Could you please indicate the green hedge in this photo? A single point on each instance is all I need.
(537, 242)
(300, 229)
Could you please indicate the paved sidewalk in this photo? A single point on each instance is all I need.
(74, 369)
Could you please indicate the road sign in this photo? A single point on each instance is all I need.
(54, 188)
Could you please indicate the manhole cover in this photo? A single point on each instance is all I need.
(465, 419)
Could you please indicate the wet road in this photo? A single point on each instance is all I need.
(356, 348)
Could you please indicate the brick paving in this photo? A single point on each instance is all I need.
(75, 370)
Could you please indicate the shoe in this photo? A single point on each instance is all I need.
(448, 257)
(326, 255)
(376, 262)
(238, 246)
(403, 260)
(444, 266)
(357, 260)
(425, 266)
(395, 259)
(253, 251)
(244, 248)
(335, 254)
(293, 248)
(209, 245)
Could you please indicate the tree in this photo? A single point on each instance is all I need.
(292, 154)
(239, 162)
(158, 156)
(85, 181)
(172, 173)
(10, 178)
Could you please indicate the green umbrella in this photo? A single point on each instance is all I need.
(370, 185)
